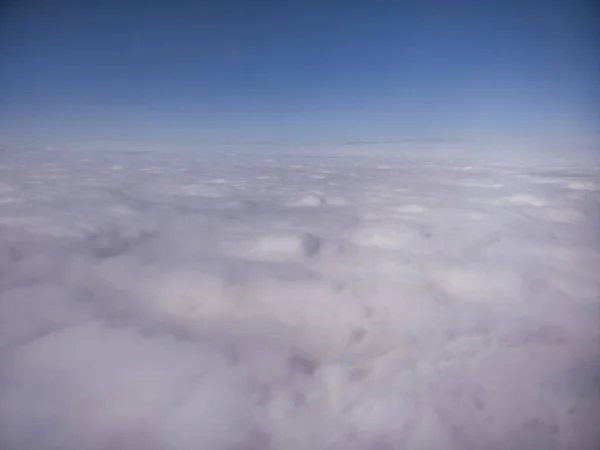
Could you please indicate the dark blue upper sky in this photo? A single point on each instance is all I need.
(296, 71)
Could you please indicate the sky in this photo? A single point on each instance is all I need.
(285, 73)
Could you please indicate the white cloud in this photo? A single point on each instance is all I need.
(191, 303)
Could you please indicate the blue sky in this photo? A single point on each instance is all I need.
(291, 72)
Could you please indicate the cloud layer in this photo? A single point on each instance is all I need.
(162, 302)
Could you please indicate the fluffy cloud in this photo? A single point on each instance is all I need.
(153, 302)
